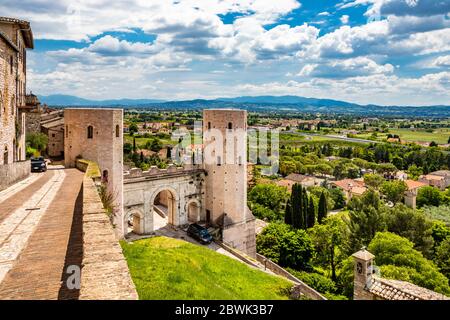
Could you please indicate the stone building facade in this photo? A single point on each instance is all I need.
(15, 38)
(180, 190)
(97, 135)
(225, 164)
(213, 193)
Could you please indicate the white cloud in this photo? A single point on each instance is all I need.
(442, 61)
(344, 19)
(356, 67)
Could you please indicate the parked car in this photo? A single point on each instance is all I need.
(200, 233)
(38, 164)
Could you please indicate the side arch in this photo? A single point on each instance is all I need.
(136, 218)
(193, 209)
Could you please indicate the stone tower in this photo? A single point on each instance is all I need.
(225, 163)
(97, 135)
(363, 272)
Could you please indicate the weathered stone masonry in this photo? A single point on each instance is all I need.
(104, 274)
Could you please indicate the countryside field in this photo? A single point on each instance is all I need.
(439, 136)
(170, 269)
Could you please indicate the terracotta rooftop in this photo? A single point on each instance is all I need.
(434, 177)
(411, 184)
(441, 173)
(350, 185)
(401, 290)
(286, 183)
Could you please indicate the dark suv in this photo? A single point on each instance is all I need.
(200, 233)
(38, 164)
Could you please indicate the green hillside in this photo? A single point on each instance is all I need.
(170, 269)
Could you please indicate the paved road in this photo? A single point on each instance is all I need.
(40, 235)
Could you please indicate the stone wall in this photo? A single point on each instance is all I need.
(300, 287)
(13, 172)
(7, 102)
(33, 122)
(105, 274)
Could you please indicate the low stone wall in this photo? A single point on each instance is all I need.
(105, 274)
(155, 172)
(13, 173)
(300, 287)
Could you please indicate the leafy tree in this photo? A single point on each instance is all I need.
(414, 172)
(155, 145)
(433, 144)
(264, 213)
(439, 232)
(127, 148)
(38, 141)
(443, 257)
(399, 260)
(323, 208)
(329, 238)
(338, 197)
(270, 196)
(286, 246)
(367, 217)
(428, 196)
(317, 191)
(386, 168)
(133, 128)
(373, 180)
(394, 190)
(413, 225)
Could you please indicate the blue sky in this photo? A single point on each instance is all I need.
(366, 51)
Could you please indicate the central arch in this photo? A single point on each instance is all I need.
(164, 204)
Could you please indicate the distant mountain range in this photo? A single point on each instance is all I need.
(70, 101)
(258, 103)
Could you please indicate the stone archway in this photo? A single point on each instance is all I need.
(193, 211)
(165, 207)
(134, 222)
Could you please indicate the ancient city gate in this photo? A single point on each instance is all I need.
(174, 194)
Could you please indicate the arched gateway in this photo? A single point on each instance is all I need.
(158, 197)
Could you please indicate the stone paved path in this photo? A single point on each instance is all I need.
(37, 245)
(13, 197)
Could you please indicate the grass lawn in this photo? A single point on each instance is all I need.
(440, 136)
(170, 269)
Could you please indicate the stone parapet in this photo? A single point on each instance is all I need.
(155, 172)
(104, 274)
(13, 173)
(300, 288)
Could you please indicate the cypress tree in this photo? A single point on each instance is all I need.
(311, 217)
(323, 210)
(297, 205)
(288, 213)
(305, 209)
